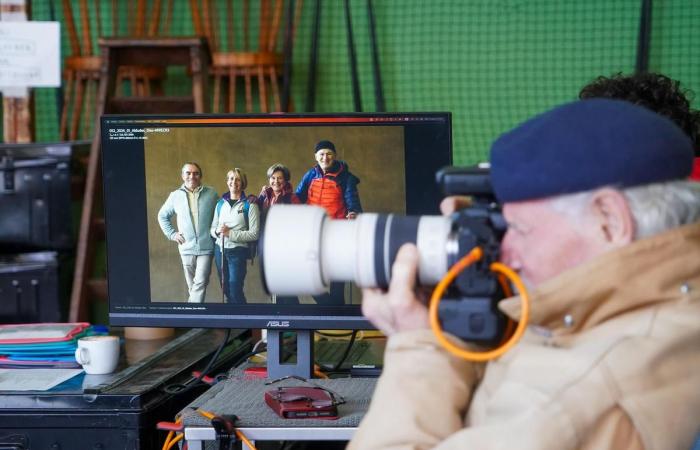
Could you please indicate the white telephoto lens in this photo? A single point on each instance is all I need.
(292, 250)
(429, 233)
(433, 234)
(347, 250)
(304, 250)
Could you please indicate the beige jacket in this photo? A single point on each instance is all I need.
(625, 375)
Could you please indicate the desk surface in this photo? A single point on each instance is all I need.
(243, 397)
(115, 411)
(143, 368)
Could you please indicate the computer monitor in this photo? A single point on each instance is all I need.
(395, 156)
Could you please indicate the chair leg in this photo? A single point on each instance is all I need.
(67, 94)
(88, 107)
(224, 92)
(80, 82)
(275, 89)
(134, 84)
(158, 87)
(262, 89)
(146, 85)
(217, 92)
(119, 84)
(248, 91)
(232, 89)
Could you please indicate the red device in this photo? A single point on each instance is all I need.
(303, 402)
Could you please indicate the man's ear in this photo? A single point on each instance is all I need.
(613, 217)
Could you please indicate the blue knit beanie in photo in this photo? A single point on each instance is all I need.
(585, 145)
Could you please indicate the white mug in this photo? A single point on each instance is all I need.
(98, 354)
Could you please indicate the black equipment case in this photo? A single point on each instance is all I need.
(35, 197)
(29, 288)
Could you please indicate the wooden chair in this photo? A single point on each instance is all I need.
(259, 65)
(82, 69)
(117, 53)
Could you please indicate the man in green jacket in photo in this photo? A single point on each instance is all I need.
(193, 205)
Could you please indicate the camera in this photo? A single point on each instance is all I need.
(303, 251)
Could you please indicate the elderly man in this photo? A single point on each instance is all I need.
(193, 204)
(604, 229)
(331, 185)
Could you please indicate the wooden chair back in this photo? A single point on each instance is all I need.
(84, 25)
(238, 57)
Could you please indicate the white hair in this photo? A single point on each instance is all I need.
(655, 207)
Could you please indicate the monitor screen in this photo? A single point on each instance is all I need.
(152, 203)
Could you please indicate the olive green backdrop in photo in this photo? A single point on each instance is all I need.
(375, 155)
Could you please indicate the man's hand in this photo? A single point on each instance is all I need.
(399, 309)
(403, 307)
(178, 237)
(351, 215)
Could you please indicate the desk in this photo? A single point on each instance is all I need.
(244, 398)
(115, 411)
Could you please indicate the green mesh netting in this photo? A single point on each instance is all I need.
(492, 63)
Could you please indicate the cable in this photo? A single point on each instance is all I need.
(313, 59)
(239, 433)
(510, 323)
(170, 444)
(345, 353)
(170, 439)
(287, 59)
(318, 373)
(178, 388)
(378, 92)
(340, 334)
(356, 96)
(436, 297)
(257, 344)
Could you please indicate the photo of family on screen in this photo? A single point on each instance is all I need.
(208, 191)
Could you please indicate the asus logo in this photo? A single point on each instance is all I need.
(278, 324)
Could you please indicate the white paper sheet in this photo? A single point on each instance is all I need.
(30, 54)
(34, 379)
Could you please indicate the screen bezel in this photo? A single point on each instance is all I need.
(422, 197)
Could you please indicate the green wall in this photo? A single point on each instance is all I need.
(492, 63)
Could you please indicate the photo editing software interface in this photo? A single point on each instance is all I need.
(174, 185)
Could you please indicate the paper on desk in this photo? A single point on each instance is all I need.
(39, 331)
(34, 379)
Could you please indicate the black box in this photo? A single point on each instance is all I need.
(29, 288)
(35, 196)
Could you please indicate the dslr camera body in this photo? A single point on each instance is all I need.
(303, 251)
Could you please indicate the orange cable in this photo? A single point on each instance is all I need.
(171, 433)
(175, 441)
(436, 297)
(239, 434)
(510, 323)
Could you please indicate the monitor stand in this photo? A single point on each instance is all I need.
(304, 365)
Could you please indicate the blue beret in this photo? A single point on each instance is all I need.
(327, 145)
(585, 145)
